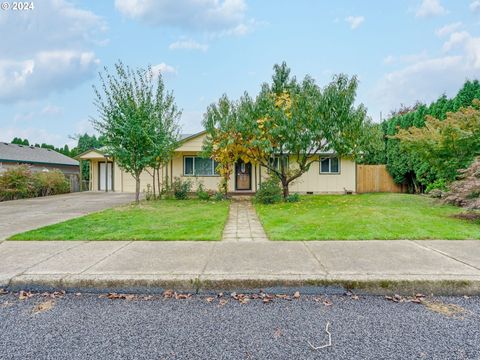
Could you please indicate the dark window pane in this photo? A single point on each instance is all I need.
(334, 165)
(203, 166)
(188, 166)
(325, 165)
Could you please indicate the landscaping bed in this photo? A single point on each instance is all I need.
(365, 217)
(152, 220)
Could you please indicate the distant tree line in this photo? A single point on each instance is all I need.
(85, 142)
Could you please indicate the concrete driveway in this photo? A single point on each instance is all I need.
(22, 215)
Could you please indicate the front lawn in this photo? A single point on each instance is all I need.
(366, 216)
(155, 220)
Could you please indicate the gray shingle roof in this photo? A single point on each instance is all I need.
(31, 154)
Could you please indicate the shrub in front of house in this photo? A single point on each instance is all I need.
(293, 198)
(269, 192)
(51, 183)
(203, 194)
(17, 183)
(181, 188)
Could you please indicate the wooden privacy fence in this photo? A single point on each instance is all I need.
(375, 178)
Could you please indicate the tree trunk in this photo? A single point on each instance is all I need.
(285, 189)
(153, 184)
(158, 182)
(137, 188)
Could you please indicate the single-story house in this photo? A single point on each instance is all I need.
(39, 159)
(330, 174)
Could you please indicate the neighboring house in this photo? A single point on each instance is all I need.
(39, 159)
(329, 174)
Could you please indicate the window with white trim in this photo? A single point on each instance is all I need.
(330, 165)
(275, 162)
(198, 166)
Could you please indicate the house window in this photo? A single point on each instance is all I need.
(330, 165)
(275, 162)
(197, 166)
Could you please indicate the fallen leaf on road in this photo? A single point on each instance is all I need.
(44, 306)
(3, 292)
(78, 294)
(222, 302)
(277, 333)
(450, 310)
(209, 299)
(148, 297)
(55, 294)
(115, 296)
(296, 295)
(22, 295)
(327, 302)
(182, 296)
(168, 294)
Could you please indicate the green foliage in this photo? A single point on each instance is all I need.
(20, 182)
(51, 183)
(474, 194)
(132, 111)
(373, 145)
(20, 141)
(148, 193)
(439, 184)
(181, 188)
(406, 166)
(219, 196)
(17, 183)
(291, 117)
(293, 198)
(269, 192)
(203, 194)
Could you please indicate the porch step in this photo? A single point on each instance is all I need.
(241, 196)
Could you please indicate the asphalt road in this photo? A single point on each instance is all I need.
(88, 327)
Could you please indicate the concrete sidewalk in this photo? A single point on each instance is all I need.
(440, 267)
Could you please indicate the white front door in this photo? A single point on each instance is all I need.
(105, 176)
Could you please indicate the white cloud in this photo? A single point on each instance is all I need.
(206, 15)
(428, 77)
(455, 39)
(51, 110)
(188, 45)
(430, 8)
(163, 68)
(390, 59)
(56, 24)
(355, 21)
(475, 6)
(47, 50)
(448, 29)
(33, 135)
(44, 73)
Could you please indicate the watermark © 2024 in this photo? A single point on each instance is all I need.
(17, 5)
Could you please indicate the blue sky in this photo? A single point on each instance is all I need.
(402, 51)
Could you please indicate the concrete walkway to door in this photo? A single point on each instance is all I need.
(243, 224)
(22, 215)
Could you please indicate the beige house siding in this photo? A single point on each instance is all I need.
(312, 181)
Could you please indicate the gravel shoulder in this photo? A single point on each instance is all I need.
(92, 326)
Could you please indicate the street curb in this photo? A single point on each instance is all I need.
(449, 285)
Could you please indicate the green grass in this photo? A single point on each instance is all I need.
(364, 217)
(156, 220)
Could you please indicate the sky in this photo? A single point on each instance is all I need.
(401, 52)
